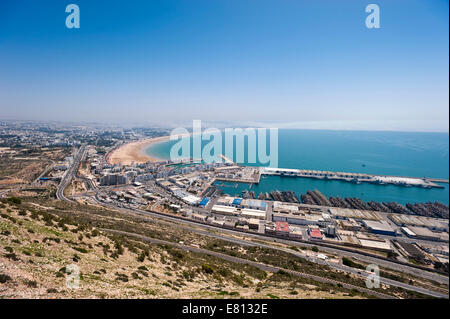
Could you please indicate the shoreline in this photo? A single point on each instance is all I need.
(134, 152)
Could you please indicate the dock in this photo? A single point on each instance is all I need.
(356, 178)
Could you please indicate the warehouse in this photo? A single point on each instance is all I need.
(422, 233)
(236, 202)
(309, 219)
(280, 207)
(253, 204)
(375, 244)
(408, 220)
(224, 210)
(253, 213)
(204, 202)
(315, 234)
(226, 200)
(199, 217)
(191, 199)
(282, 228)
(381, 228)
(295, 232)
(253, 223)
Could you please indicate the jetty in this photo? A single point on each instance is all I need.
(356, 178)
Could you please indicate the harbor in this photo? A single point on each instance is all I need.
(356, 178)
(252, 175)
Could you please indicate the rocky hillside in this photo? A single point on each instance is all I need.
(42, 246)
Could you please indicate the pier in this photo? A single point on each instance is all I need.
(356, 178)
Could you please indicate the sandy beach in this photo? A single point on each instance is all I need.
(134, 152)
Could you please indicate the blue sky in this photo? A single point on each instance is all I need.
(309, 64)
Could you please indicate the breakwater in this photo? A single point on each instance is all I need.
(356, 178)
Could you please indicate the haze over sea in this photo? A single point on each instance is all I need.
(386, 153)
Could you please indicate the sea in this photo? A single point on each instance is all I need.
(413, 154)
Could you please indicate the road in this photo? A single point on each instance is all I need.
(70, 173)
(338, 251)
(46, 169)
(316, 260)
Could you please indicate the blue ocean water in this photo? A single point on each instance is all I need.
(389, 153)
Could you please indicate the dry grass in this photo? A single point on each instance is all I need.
(35, 246)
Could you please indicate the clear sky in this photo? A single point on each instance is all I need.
(311, 63)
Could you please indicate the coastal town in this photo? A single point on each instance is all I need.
(104, 167)
(189, 189)
(225, 159)
(120, 174)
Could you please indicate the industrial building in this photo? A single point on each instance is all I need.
(381, 245)
(224, 210)
(282, 229)
(420, 221)
(331, 231)
(300, 219)
(381, 228)
(346, 213)
(237, 202)
(186, 197)
(280, 207)
(253, 204)
(315, 234)
(295, 232)
(253, 213)
(424, 233)
(204, 202)
(253, 223)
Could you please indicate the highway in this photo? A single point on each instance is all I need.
(70, 173)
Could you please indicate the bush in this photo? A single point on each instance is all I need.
(12, 256)
(31, 283)
(4, 278)
(80, 249)
(350, 263)
(95, 233)
(121, 277)
(141, 257)
(281, 272)
(207, 269)
(119, 248)
(14, 200)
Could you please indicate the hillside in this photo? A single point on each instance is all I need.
(37, 243)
